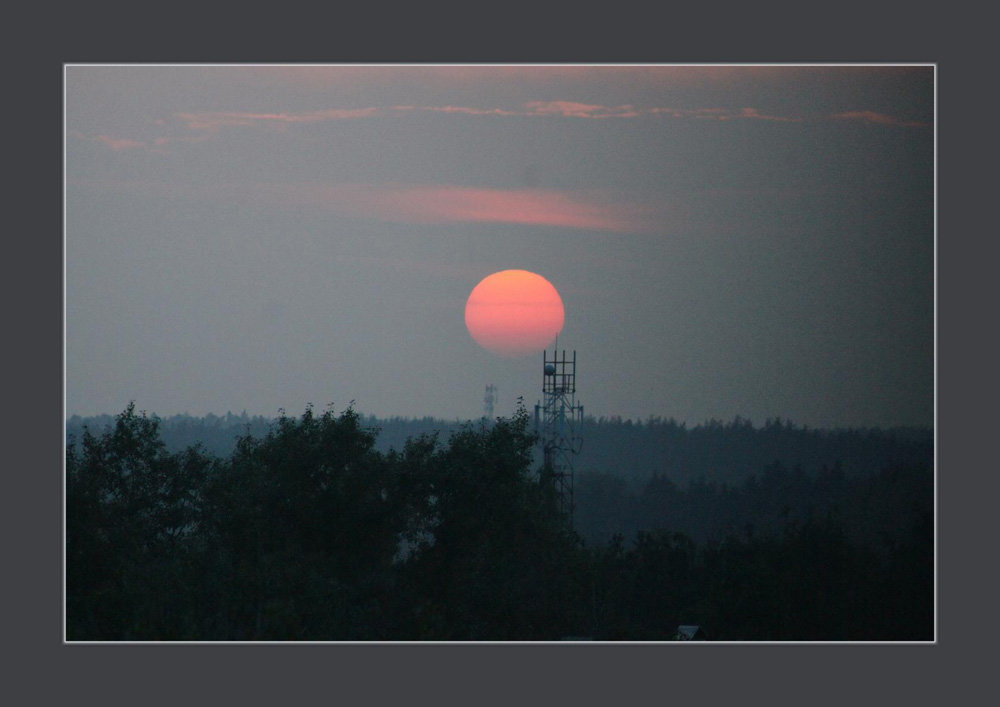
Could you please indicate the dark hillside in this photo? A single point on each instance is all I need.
(309, 532)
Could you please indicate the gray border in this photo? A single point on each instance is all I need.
(615, 674)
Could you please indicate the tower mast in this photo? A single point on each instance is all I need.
(489, 398)
(558, 419)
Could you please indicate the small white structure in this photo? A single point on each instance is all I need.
(689, 633)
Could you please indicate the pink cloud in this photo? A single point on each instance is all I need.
(118, 144)
(423, 204)
(572, 109)
(721, 114)
(463, 110)
(868, 116)
(156, 144)
(699, 113)
(208, 123)
(672, 112)
(221, 119)
(560, 109)
(451, 204)
(754, 114)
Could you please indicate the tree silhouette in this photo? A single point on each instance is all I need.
(309, 532)
(496, 563)
(133, 512)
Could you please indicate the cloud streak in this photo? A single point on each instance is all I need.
(461, 110)
(227, 119)
(867, 116)
(425, 204)
(722, 114)
(441, 204)
(572, 109)
(112, 143)
(205, 125)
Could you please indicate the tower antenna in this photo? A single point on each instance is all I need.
(489, 398)
(558, 419)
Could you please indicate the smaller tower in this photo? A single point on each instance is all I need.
(489, 398)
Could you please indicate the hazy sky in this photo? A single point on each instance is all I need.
(727, 240)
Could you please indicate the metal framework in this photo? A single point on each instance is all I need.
(489, 398)
(558, 420)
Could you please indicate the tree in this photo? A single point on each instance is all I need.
(132, 513)
(497, 563)
(306, 523)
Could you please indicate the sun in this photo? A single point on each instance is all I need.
(514, 313)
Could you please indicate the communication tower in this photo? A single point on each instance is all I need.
(488, 399)
(558, 419)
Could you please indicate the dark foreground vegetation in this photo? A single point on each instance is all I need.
(307, 530)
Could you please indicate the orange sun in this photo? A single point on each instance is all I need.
(514, 313)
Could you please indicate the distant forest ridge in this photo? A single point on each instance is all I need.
(634, 450)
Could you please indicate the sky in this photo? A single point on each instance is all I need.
(753, 241)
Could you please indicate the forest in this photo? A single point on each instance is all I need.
(342, 527)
